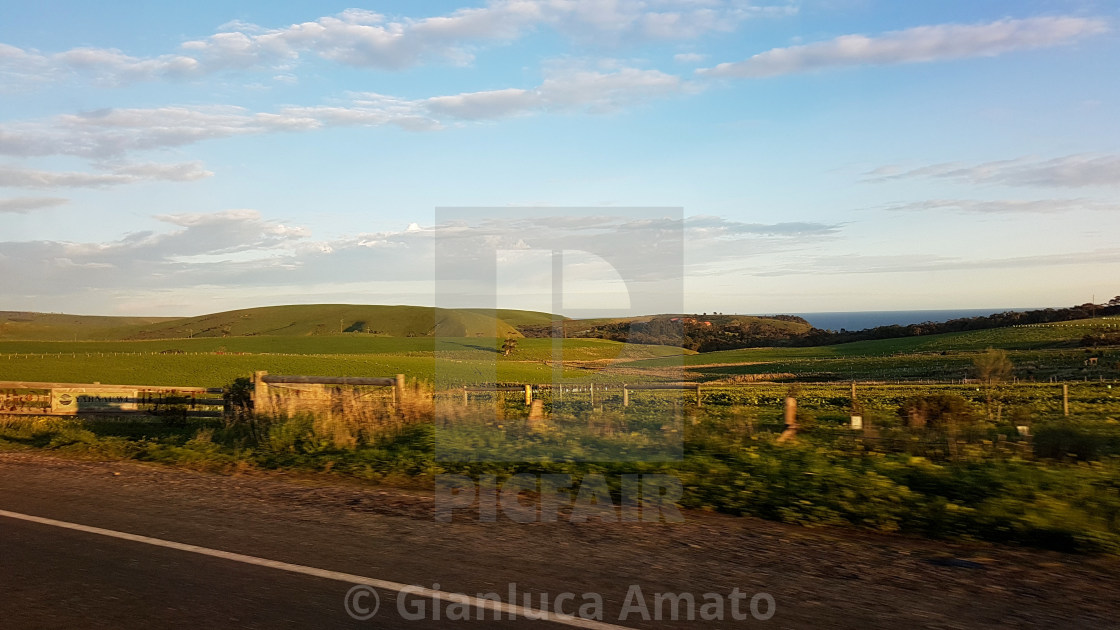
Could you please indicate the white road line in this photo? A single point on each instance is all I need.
(506, 609)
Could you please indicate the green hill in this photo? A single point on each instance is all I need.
(61, 327)
(517, 318)
(284, 321)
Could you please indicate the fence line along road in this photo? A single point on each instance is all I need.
(590, 388)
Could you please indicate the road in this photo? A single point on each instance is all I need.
(55, 576)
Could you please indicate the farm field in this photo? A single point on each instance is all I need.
(950, 366)
(1039, 353)
(217, 362)
(458, 347)
(1042, 352)
(1041, 336)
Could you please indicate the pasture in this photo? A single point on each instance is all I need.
(1040, 354)
(218, 361)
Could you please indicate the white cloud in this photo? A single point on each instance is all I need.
(689, 57)
(103, 66)
(366, 39)
(362, 38)
(114, 67)
(568, 89)
(233, 250)
(241, 251)
(23, 205)
(908, 263)
(181, 172)
(707, 226)
(914, 45)
(113, 133)
(488, 104)
(1071, 171)
(14, 177)
(147, 259)
(1005, 206)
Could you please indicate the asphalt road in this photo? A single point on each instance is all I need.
(53, 577)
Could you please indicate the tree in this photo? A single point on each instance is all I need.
(509, 346)
(992, 366)
(1114, 301)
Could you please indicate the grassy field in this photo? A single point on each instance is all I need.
(1040, 353)
(217, 362)
(1043, 336)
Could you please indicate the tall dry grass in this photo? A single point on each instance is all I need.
(347, 417)
(21, 422)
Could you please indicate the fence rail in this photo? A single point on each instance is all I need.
(276, 379)
(71, 399)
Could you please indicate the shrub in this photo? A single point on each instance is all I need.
(1077, 440)
(1093, 340)
(936, 411)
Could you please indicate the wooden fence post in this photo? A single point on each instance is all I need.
(262, 398)
(625, 396)
(464, 395)
(699, 401)
(790, 431)
(529, 395)
(1065, 399)
(593, 396)
(398, 389)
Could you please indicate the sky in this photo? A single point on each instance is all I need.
(809, 155)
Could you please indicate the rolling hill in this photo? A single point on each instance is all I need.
(284, 321)
(26, 325)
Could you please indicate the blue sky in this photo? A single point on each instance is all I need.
(828, 154)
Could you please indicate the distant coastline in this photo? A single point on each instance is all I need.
(861, 320)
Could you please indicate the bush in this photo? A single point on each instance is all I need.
(936, 411)
(238, 396)
(1077, 440)
(1093, 340)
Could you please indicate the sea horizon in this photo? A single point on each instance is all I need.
(861, 320)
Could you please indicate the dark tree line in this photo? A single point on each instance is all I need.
(817, 337)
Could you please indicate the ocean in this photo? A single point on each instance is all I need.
(861, 320)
